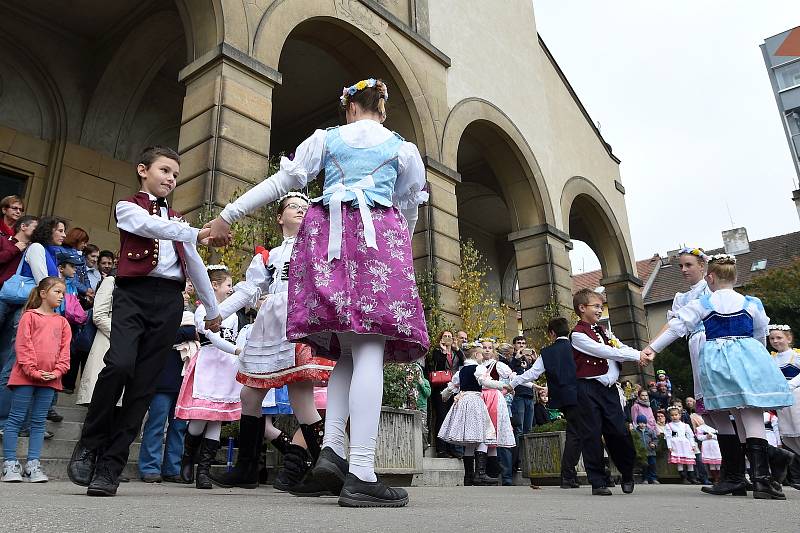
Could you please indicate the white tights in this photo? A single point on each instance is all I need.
(209, 429)
(301, 398)
(355, 391)
(470, 449)
(689, 468)
(721, 421)
(750, 423)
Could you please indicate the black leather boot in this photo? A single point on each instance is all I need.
(206, 455)
(313, 435)
(732, 480)
(191, 444)
(296, 462)
(326, 478)
(763, 488)
(692, 475)
(779, 461)
(480, 478)
(684, 478)
(493, 466)
(245, 474)
(794, 473)
(469, 469)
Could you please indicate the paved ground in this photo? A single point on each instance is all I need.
(61, 506)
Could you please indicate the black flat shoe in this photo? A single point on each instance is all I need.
(104, 483)
(151, 478)
(627, 487)
(357, 493)
(81, 465)
(601, 491)
(174, 479)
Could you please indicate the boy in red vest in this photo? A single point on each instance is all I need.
(597, 357)
(157, 253)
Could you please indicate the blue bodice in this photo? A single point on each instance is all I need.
(738, 324)
(790, 371)
(373, 170)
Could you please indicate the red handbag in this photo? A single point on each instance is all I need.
(440, 377)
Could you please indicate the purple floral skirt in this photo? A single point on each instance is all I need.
(366, 291)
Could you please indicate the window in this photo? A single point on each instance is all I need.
(788, 76)
(761, 264)
(11, 183)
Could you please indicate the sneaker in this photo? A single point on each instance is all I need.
(53, 416)
(12, 472)
(34, 473)
(358, 493)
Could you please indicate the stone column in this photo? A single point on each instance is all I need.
(627, 316)
(436, 244)
(543, 270)
(225, 127)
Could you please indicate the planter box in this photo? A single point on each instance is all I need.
(399, 448)
(541, 457)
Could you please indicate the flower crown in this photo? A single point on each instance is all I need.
(347, 92)
(294, 194)
(779, 327)
(722, 259)
(212, 268)
(487, 339)
(697, 252)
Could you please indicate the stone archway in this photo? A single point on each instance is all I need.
(589, 218)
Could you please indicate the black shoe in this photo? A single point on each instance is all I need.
(53, 416)
(151, 478)
(601, 491)
(357, 493)
(481, 478)
(296, 462)
(81, 465)
(731, 472)
(122, 478)
(176, 478)
(469, 470)
(191, 444)
(627, 487)
(245, 474)
(326, 478)
(104, 483)
(763, 489)
(208, 450)
(779, 461)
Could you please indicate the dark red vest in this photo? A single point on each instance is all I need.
(138, 255)
(588, 366)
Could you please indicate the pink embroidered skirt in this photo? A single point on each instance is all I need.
(218, 401)
(307, 368)
(365, 291)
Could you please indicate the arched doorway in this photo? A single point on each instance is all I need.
(319, 57)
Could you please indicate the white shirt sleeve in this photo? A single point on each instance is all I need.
(408, 189)
(794, 382)
(248, 291)
(293, 174)
(582, 343)
(196, 270)
(214, 338)
(35, 257)
(760, 320)
(532, 374)
(683, 323)
(136, 220)
(485, 380)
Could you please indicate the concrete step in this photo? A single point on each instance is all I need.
(65, 430)
(440, 473)
(66, 400)
(57, 448)
(72, 414)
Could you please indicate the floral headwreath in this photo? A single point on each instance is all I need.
(697, 252)
(722, 259)
(294, 194)
(212, 268)
(487, 339)
(779, 327)
(347, 92)
(473, 344)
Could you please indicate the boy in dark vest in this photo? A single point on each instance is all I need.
(558, 365)
(597, 357)
(157, 253)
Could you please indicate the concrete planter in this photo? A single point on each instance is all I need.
(399, 449)
(541, 457)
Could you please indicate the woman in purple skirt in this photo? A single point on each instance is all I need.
(352, 292)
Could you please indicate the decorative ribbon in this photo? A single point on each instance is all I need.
(338, 192)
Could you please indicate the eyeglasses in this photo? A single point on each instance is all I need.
(296, 207)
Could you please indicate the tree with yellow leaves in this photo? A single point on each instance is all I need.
(480, 310)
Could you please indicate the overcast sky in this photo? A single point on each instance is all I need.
(682, 95)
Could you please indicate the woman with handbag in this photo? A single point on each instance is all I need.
(445, 360)
(38, 262)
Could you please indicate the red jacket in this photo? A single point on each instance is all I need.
(10, 257)
(42, 344)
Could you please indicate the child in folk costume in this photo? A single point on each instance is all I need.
(468, 423)
(709, 445)
(499, 411)
(270, 361)
(209, 394)
(352, 292)
(737, 374)
(681, 446)
(788, 361)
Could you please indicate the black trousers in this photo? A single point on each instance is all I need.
(601, 415)
(440, 409)
(146, 314)
(572, 446)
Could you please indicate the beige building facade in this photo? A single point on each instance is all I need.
(513, 159)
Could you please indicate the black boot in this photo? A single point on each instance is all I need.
(493, 466)
(779, 461)
(313, 435)
(296, 462)
(794, 473)
(763, 489)
(245, 474)
(327, 476)
(732, 480)
(692, 475)
(480, 478)
(684, 478)
(191, 443)
(469, 469)
(206, 455)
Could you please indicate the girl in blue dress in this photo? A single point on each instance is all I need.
(735, 369)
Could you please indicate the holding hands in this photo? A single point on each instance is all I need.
(647, 356)
(215, 233)
(214, 324)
